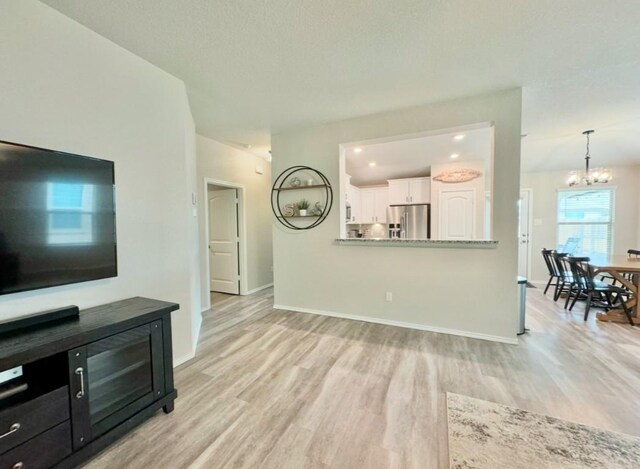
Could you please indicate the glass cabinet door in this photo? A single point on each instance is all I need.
(114, 378)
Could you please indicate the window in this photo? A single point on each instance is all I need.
(585, 221)
(70, 213)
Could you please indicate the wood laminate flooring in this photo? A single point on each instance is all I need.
(278, 389)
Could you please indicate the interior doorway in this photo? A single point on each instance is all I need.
(225, 240)
(524, 232)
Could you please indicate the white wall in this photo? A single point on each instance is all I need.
(66, 88)
(313, 273)
(637, 185)
(222, 162)
(478, 185)
(544, 186)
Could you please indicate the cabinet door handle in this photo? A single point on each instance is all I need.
(12, 429)
(80, 372)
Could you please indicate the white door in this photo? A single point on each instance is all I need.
(524, 217)
(223, 241)
(398, 192)
(456, 220)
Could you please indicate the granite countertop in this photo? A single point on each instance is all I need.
(419, 243)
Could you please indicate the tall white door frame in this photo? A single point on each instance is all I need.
(525, 238)
(242, 224)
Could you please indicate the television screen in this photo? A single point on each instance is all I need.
(57, 218)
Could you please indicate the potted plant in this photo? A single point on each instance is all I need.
(303, 205)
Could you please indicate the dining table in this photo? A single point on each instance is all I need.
(625, 270)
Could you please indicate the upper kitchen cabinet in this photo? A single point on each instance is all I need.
(410, 191)
(374, 203)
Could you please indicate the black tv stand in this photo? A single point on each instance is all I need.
(85, 382)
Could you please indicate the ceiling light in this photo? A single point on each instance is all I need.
(589, 176)
(357, 150)
(372, 164)
(454, 156)
(459, 137)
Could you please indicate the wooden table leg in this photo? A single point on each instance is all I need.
(617, 315)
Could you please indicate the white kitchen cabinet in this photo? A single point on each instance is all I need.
(410, 191)
(381, 197)
(353, 198)
(456, 220)
(374, 203)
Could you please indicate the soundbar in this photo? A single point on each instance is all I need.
(42, 319)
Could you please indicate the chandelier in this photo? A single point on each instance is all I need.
(589, 177)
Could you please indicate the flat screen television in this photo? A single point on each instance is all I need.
(57, 218)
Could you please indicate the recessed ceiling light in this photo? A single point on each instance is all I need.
(459, 137)
(454, 156)
(373, 163)
(357, 150)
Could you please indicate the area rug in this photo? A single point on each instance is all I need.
(487, 435)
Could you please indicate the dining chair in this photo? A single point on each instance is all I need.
(597, 293)
(554, 276)
(564, 273)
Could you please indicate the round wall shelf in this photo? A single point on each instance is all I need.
(289, 182)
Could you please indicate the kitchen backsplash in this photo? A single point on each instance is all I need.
(377, 230)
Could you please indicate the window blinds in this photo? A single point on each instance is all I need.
(585, 221)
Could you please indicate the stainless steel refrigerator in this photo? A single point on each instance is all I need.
(409, 221)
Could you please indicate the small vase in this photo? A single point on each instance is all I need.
(303, 212)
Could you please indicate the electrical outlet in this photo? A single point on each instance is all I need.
(389, 296)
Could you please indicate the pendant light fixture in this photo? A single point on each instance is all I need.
(589, 176)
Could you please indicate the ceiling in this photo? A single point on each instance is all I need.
(254, 67)
(413, 157)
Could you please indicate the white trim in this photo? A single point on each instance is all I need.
(529, 230)
(180, 361)
(538, 283)
(242, 227)
(196, 332)
(256, 290)
(407, 325)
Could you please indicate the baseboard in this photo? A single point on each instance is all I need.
(197, 332)
(184, 359)
(256, 290)
(539, 283)
(180, 360)
(407, 325)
